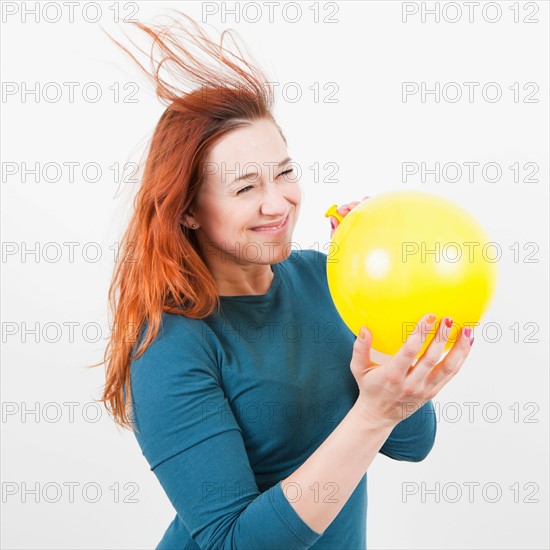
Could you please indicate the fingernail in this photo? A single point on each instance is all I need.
(362, 333)
(332, 224)
(430, 318)
(448, 322)
(467, 333)
(472, 341)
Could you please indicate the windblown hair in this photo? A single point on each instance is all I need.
(161, 267)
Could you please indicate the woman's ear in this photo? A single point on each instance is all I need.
(189, 220)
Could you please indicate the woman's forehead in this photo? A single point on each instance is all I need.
(238, 154)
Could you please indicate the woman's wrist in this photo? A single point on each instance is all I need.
(370, 422)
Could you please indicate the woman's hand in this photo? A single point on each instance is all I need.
(389, 393)
(343, 210)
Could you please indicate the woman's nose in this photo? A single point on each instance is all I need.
(274, 200)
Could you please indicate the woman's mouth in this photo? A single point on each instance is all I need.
(273, 230)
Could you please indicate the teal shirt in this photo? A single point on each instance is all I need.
(229, 405)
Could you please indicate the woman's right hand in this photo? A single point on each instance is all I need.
(389, 393)
(343, 210)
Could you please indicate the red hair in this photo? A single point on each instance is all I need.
(161, 267)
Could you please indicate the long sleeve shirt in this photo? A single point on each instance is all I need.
(228, 406)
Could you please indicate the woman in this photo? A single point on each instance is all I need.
(255, 406)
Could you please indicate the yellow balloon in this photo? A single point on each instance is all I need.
(402, 254)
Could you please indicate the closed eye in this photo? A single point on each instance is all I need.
(244, 189)
(287, 171)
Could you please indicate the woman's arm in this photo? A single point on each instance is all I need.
(336, 468)
(389, 395)
(194, 445)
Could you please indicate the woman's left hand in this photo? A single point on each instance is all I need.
(343, 210)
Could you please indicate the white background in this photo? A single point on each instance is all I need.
(369, 132)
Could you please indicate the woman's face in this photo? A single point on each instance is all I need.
(250, 182)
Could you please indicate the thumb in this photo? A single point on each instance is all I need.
(361, 360)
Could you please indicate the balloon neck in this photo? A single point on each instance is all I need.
(333, 211)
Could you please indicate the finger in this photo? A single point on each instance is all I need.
(361, 361)
(432, 391)
(451, 364)
(405, 356)
(432, 354)
(345, 208)
(333, 225)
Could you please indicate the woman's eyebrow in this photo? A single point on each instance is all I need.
(284, 161)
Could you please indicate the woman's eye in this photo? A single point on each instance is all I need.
(244, 189)
(286, 172)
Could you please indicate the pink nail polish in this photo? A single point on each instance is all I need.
(467, 332)
(332, 224)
